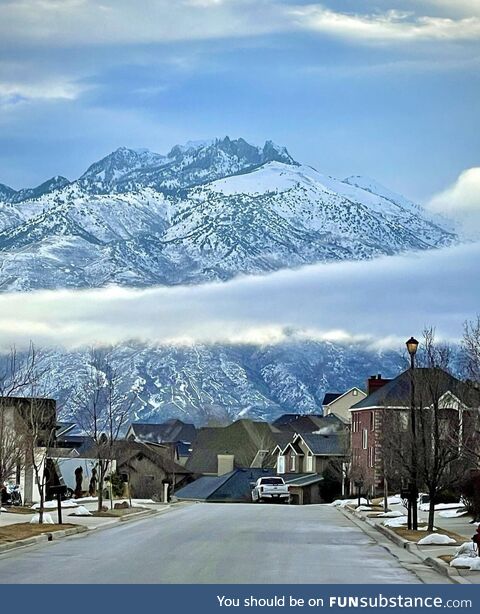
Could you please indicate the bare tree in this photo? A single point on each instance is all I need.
(441, 440)
(38, 437)
(101, 410)
(19, 377)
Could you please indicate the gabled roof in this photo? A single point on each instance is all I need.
(337, 396)
(299, 423)
(323, 445)
(124, 451)
(170, 431)
(430, 384)
(330, 396)
(243, 439)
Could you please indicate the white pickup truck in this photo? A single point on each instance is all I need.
(270, 489)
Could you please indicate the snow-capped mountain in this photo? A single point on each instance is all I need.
(215, 383)
(205, 211)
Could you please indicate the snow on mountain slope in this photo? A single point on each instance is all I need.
(205, 383)
(206, 211)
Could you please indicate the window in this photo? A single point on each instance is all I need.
(372, 420)
(309, 464)
(355, 392)
(371, 457)
(292, 462)
(281, 464)
(364, 439)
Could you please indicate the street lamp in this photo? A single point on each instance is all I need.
(412, 346)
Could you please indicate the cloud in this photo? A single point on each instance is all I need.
(87, 22)
(461, 201)
(386, 27)
(14, 92)
(378, 303)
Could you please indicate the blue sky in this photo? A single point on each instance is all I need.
(386, 89)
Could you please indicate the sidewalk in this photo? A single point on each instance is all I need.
(143, 508)
(428, 554)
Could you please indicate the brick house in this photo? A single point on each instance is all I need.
(371, 416)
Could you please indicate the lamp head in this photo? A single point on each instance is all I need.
(412, 345)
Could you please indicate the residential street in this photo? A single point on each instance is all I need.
(215, 543)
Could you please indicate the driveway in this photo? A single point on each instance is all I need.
(215, 543)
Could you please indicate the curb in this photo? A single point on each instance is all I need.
(37, 539)
(437, 564)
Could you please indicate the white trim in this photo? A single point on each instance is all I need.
(342, 395)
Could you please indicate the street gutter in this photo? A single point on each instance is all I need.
(437, 564)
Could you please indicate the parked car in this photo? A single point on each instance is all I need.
(270, 489)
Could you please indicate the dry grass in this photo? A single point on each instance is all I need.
(117, 513)
(414, 536)
(13, 532)
(446, 558)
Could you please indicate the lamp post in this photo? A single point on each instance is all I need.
(412, 346)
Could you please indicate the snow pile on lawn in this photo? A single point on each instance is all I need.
(86, 499)
(2, 509)
(424, 507)
(466, 561)
(435, 540)
(81, 511)
(345, 502)
(391, 514)
(53, 505)
(363, 508)
(396, 522)
(394, 500)
(453, 513)
(47, 519)
(466, 549)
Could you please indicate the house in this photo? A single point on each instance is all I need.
(338, 403)
(21, 420)
(147, 468)
(242, 444)
(372, 419)
(304, 460)
(177, 434)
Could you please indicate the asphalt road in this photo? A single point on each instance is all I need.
(213, 543)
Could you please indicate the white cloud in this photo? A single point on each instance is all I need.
(390, 26)
(378, 302)
(461, 201)
(12, 92)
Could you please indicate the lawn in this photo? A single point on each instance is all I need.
(13, 532)
(414, 536)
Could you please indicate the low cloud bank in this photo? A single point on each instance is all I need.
(379, 302)
(461, 201)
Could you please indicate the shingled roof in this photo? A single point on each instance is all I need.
(324, 445)
(231, 487)
(243, 439)
(430, 384)
(169, 431)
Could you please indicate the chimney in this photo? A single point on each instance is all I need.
(375, 382)
(225, 463)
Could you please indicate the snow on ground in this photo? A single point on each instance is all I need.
(53, 505)
(81, 511)
(437, 540)
(424, 507)
(2, 509)
(345, 502)
(391, 514)
(465, 561)
(466, 549)
(399, 521)
(453, 513)
(47, 519)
